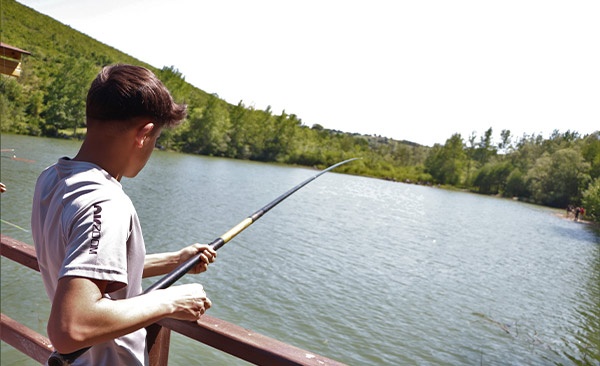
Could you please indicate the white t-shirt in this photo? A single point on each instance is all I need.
(84, 225)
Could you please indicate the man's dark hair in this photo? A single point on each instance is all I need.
(123, 92)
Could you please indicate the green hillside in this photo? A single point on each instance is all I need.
(57, 74)
(49, 40)
(49, 100)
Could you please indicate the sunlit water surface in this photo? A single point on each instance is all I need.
(364, 271)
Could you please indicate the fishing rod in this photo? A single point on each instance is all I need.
(58, 359)
(186, 266)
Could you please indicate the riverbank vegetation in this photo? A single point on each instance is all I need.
(49, 100)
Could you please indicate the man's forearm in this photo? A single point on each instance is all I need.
(160, 263)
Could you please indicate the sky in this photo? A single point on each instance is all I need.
(410, 70)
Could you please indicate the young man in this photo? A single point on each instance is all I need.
(87, 235)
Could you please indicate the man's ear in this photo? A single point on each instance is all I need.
(143, 132)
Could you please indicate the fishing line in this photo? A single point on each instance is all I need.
(14, 156)
(14, 225)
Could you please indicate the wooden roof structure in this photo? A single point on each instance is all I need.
(10, 59)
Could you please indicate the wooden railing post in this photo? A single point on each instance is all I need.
(158, 341)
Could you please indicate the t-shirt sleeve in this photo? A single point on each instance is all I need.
(97, 241)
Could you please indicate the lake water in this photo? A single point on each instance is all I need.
(364, 271)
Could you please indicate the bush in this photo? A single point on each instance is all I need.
(591, 200)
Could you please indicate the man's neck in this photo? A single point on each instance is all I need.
(110, 156)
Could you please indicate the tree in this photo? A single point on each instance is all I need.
(506, 141)
(446, 163)
(591, 153)
(470, 151)
(492, 177)
(66, 94)
(485, 149)
(516, 185)
(280, 137)
(209, 129)
(559, 179)
(591, 200)
(12, 113)
(241, 126)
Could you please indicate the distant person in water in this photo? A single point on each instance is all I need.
(581, 212)
(569, 210)
(577, 212)
(87, 234)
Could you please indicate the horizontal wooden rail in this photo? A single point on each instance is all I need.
(229, 338)
(19, 252)
(24, 339)
(245, 344)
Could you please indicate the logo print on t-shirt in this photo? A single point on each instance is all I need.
(96, 229)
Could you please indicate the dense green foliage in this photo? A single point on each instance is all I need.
(554, 172)
(48, 100)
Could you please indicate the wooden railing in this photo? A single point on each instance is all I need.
(229, 338)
